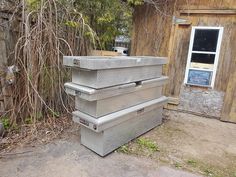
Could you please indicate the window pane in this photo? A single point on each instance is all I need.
(203, 58)
(205, 40)
(197, 77)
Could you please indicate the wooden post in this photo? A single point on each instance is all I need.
(229, 107)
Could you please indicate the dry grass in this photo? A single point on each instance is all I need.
(47, 30)
(192, 143)
(43, 132)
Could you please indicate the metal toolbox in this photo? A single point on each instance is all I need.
(99, 72)
(101, 102)
(109, 132)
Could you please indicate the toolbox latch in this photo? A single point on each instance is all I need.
(138, 84)
(76, 62)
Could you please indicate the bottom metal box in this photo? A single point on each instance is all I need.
(109, 139)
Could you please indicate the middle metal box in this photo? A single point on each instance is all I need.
(100, 102)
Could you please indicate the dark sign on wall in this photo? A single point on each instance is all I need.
(199, 77)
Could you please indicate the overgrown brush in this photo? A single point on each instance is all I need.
(48, 29)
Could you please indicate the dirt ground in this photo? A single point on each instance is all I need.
(184, 142)
(201, 145)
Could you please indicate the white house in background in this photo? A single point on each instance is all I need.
(122, 41)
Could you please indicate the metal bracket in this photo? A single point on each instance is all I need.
(180, 21)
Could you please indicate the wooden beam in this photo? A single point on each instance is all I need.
(104, 53)
(171, 107)
(209, 11)
(173, 100)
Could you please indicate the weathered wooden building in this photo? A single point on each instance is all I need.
(199, 38)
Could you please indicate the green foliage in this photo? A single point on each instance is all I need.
(108, 18)
(124, 149)
(72, 24)
(135, 2)
(15, 127)
(55, 114)
(208, 172)
(6, 122)
(39, 116)
(33, 4)
(193, 163)
(28, 120)
(178, 165)
(147, 143)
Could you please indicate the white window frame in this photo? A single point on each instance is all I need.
(216, 53)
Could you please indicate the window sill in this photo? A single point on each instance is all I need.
(205, 87)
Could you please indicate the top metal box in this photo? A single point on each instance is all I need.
(99, 72)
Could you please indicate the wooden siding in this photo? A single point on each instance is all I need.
(179, 50)
(206, 4)
(208, 11)
(154, 34)
(151, 30)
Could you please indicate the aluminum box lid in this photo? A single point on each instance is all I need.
(118, 117)
(92, 94)
(103, 62)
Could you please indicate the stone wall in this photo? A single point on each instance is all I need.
(201, 101)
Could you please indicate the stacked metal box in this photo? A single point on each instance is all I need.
(116, 98)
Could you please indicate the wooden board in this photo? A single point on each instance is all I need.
(229, 107)
(151, 30)
(206, 4)
(177, 59)
(103, 53)
(173, 101)
(208, 11)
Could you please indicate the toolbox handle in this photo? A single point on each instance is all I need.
(138, 84)
(78, 93)
(84, 122)
(76, 62)
(140, 111)
(87, 123)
